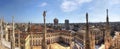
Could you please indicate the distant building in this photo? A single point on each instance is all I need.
(56, 21)
(89, 36)
(67, 24)
(56, 25)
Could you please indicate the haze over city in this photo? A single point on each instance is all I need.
(74, 10)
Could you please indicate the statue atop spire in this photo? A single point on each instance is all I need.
(44, 13)
(107, 11)
(87, 18)
(107, 18)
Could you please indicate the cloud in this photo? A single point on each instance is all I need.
(95, 8)
(71, 5)
(98, 4)
(114, 2)
(43, 4)
(114, 17)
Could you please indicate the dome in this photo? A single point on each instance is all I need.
(55, 19)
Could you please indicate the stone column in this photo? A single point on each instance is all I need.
(44, 45)
(1, 29)
(6, 32)
(87, 40)
(71, 45)
(107, 32)
(13, 35)
(92, 39)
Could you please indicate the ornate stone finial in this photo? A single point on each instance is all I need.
(2, 19)
(12, 17)
(44, 13)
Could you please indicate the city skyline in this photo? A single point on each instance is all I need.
(74, 10)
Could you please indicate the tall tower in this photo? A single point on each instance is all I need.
(67, 24)
(87, 40)
(107, 32)
(13, 35)
(56, 24)
(44, 44)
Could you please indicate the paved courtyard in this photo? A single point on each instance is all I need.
(53, 46)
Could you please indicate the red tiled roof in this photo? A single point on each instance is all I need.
(36, 28)
(23, 35)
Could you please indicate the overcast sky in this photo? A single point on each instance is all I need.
(74, 10)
